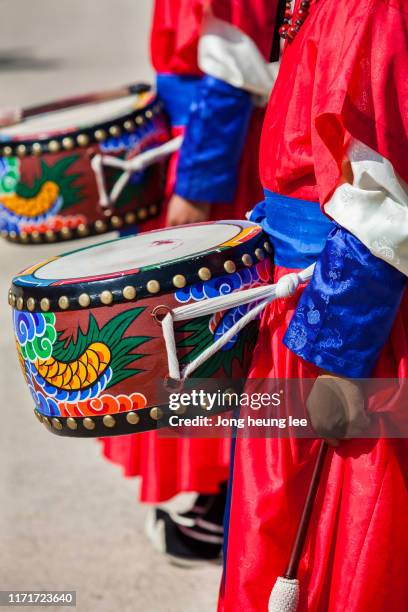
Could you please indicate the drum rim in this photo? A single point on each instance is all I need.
(94, 426)
(166, 278)
(55, 142)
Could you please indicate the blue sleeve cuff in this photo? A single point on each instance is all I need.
(345, 314)
(214, 140)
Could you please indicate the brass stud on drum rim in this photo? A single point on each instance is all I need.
(109, 421)
(116, 222)
(153, 209)
(21, 150)
(24, 237)
(45, 304)
(106, 297)
(56, 423)
(100, 226)
(142, 213)
(132, 418)
(115, 131)
(82, 229)
(156, 413)
(83, 140)
(12, 235)
(153, 286)
(181, 410)
(130, 218)
(88, 423)
(20, 303)
(100, 135)
(13, 300)
(179, 281)
(129, 292)
(7, 151)
(50, 236)
(72, 423)
(31, 304)
(46, 421)
(54, 146)
(66, 233)
(267, 247)
(84, 300)
(204, 274)
(36, 148)
(259, 254)
(68, 143)
(230, 267)
(148, 114)
(247, 260)
(129, 125)
(63, 302)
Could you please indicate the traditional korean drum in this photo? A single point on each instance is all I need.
(87, 329)
(65, 167)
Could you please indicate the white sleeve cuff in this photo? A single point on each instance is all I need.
(374, 208)
(228, 54)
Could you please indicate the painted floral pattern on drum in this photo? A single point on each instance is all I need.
(104, 404)
(27, 207)
(9, 175)
(222, 285)
(35, 334)
(62, 372)
(204, 331)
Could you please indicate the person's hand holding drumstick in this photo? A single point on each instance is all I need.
(182, 212)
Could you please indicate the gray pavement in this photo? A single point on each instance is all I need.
(68, 520)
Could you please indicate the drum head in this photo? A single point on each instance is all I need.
(71, 119)
(149, 262)
(140, 252)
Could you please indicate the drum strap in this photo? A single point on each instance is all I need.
(259, 296)
(129, 166)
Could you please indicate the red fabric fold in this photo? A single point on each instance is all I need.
(356, 553)
(177, 26)
(343, 76)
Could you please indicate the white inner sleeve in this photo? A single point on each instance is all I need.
(228, 54)
(375, 207)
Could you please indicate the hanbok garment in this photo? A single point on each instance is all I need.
(335, 134)
(214, 77)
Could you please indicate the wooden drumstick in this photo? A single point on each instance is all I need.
(285, 593)
(11, 116)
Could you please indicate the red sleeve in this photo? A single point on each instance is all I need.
(361, 89)
(344, 76)
(177, 24)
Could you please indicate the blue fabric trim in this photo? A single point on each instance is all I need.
(215, 136)
(129, 231)
(297, 228)
(177, 92)
(345, 314)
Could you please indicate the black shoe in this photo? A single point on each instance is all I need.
(190, 538)
(206, 508)
(184, 546)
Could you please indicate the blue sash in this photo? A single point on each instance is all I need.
(297, 228)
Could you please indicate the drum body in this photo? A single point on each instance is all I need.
(50, 187)
(91, 349)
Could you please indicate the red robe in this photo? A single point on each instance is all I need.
(171, 466)
(343, 77)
